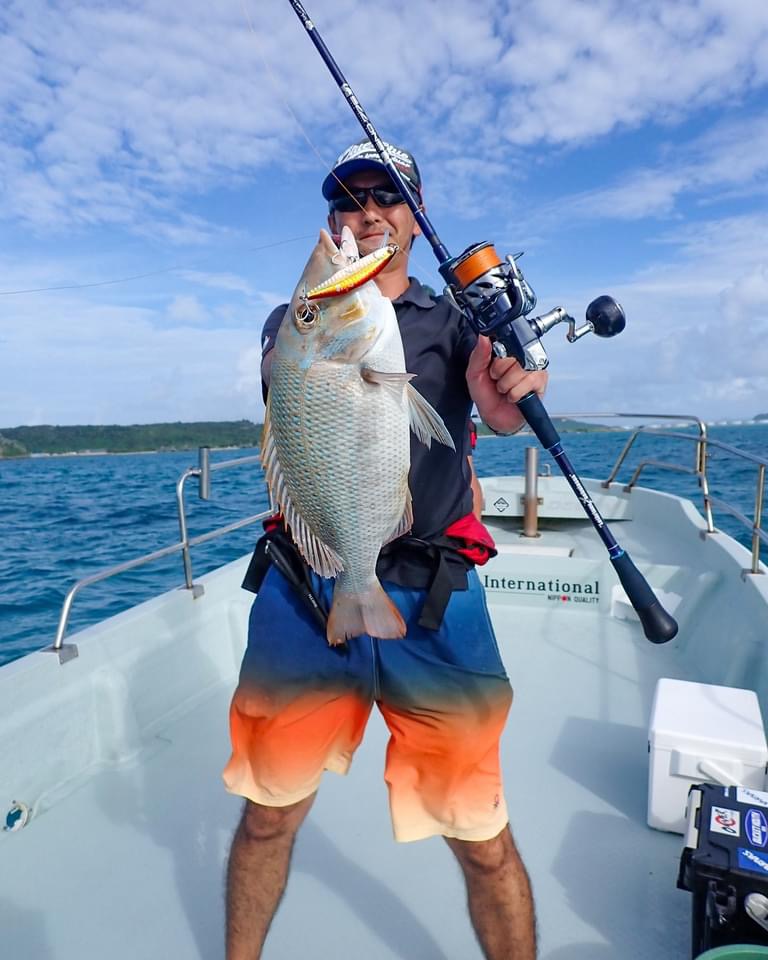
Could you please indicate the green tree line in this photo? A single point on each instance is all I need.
(23, 441)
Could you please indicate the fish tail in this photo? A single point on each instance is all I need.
(370, 611)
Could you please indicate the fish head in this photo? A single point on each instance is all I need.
(336, 313)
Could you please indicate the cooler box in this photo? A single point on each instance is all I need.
(700, 732)
(725, 866)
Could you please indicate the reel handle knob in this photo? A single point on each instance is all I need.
(606, 316)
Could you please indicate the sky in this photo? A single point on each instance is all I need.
(160, 170)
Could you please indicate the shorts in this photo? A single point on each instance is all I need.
(301, 708)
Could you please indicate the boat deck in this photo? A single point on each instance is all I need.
(130, 860)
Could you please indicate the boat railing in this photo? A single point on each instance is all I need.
(703, 443)
(68, 651)
(205, 468)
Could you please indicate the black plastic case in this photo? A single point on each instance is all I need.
(725, 866)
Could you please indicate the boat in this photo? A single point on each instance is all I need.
(112, 742)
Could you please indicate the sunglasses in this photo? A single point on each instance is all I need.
(356, 199)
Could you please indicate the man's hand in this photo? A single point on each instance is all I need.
(497, 384)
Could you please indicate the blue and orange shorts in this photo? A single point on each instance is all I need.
(301, 708)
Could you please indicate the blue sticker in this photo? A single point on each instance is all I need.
(756, 828)
(749, 860)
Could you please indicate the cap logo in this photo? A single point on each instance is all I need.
(367, 149)
(364, 154)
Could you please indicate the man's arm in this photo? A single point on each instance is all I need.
(266, 368)
(496, 384)
(268, 337)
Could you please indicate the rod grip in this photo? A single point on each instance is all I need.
(658, 625)
(538, 419)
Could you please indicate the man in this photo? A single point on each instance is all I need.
(416, 676)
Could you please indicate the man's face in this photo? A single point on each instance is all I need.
(370, 224)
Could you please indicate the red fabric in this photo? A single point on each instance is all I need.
(478, 546)
(273, 522)
(472, 434)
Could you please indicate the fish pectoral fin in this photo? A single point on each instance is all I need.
(394, 382)
(426, 422)
(323, 559)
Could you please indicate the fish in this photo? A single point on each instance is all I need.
(336, 439)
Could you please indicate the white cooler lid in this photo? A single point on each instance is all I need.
(704, 718)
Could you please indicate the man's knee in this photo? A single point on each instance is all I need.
(485, 856)
(261, 823)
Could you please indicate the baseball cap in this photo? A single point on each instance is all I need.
(363, 156)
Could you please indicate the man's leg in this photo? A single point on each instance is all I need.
(499, 896)
(300, 708)
(257, 873)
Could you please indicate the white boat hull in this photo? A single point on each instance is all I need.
(118, 754)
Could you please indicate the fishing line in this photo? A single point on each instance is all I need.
(281, 96)
(278, 90)
(151, 273)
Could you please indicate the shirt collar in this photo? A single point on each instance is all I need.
(416, 294)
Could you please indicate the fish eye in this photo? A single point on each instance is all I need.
(306, 314)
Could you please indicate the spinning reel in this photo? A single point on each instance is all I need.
(496, 299)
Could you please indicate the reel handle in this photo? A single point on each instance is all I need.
(606, 317)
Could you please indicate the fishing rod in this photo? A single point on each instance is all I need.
(496, 299)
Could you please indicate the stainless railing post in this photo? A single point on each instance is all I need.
(620, 460)
(758, 518)
(531, 494)
(204, 460)
(185, 552)
(701, 466)
(68, 651)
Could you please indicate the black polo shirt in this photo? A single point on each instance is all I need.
(437, 343)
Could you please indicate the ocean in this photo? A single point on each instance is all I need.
(64, 518)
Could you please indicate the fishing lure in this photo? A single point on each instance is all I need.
(354, 275)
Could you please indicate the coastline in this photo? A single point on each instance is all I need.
(114, 453)
(565, 425)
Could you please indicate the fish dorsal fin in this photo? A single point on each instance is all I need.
(323, 559)
(426, 422)
(405, 522)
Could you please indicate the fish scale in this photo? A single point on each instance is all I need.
(348, 465)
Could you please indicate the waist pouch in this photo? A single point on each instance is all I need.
(276, 548)
(438, 565)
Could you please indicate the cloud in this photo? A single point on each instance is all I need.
(113, 110)
(185, 309)
(117, 114)
(579, 68)
(104, 363)
(220, 281)
(730, 159)
(172, 124)
(696, 339)
(248, 382)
